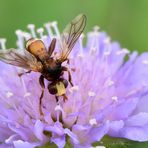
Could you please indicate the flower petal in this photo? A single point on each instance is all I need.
(142, 106)
(140, 119)
(72, 136)
(22, 144)
(89, 134)
(38, 130)
(124, 109)
(115, 127)
(135, 133)
(59, 141)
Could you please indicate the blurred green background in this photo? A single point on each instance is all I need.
(124, 20)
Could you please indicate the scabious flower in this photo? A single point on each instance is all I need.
(109, 96)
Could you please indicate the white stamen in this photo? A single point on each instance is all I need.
(96, 28)
(93, 121)
(55, 27)
(107, 40)
(81, 44)
(74, 88)
(94, 47)
(11, 138)
(31, 27)
(3, 43)
(107, 53)
(126, 51)
(44, 38)
(91, 94)
(93, 50)
(18, 33)
(9, 94)
(80, 56)
(115, 98)
(40, 31)
(145, 62)
(48, 28)
(123, 51)
(58, 108)
(20, 39)
(26, 35)
(107, 50)
(27, 94)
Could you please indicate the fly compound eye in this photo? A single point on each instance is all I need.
(52, 89)
(35, 46)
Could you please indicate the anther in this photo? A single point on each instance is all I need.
(92, 121)
(115, 98)
(9, 94)
(96, 28)
(18, 33)
(123, 51)
(110, 82)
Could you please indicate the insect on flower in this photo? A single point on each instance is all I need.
(38, 59)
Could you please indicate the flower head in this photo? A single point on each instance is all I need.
(109, 96)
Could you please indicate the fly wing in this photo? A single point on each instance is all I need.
(20, 58)
(71, 34)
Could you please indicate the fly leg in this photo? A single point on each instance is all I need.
(68, 61)
(64, 97)
(41, 81)
(69, 75)
(52, 46)
(57, 99)
(20, 74)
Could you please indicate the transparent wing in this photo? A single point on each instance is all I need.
(71, 34)
(20, 58)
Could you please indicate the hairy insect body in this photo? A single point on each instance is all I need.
(52, 70)
(39, 59)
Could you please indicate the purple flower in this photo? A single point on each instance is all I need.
(109, 96)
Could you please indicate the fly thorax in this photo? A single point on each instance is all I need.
(50, 63)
